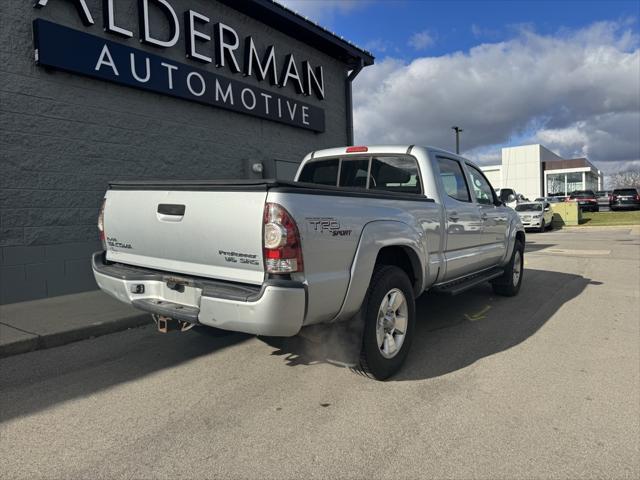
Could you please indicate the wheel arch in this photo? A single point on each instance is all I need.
(393, 243)
(516, 233)
(407, 259)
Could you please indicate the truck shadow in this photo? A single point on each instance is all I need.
(451, 334)
(37, 380)
(454, 332)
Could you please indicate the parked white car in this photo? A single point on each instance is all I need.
(535, 215)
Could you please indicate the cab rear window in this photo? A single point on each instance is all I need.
(394, 173)
(324, 172)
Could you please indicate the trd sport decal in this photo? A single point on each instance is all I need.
(328, 225)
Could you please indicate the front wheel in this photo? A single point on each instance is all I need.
(508, 284)
(389, 319)
(543, 227)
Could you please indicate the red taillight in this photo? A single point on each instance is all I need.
(281, 241)
(357, 149)
(637, 197)
(102, 234)
(614, 198)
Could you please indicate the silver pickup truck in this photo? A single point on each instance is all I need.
(359, 234)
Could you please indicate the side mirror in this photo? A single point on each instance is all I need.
(511, 198)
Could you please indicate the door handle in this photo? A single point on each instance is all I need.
(170, 213)
(453, 216)
(171, 209)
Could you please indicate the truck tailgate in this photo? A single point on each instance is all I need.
(216, 234)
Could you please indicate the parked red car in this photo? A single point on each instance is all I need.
(586, 200)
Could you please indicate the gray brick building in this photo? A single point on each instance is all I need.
(74, 117)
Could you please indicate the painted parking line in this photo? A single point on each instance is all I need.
(573, 252)
(478, 315)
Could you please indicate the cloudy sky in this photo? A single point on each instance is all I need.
(564, 74)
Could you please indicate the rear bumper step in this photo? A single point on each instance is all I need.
(168, 309)
(275, 308)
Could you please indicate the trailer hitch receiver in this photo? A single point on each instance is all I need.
(167, 324)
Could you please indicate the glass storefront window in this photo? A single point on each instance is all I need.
(574, 182)
(555, 183)
(591, 182)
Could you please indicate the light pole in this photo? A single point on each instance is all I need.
(457, 130)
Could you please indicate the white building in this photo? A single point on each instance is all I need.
(535, 171)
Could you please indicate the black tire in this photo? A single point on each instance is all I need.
(505, 285)
(372, 361)
(543, 227)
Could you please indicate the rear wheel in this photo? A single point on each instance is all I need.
(389, 318)
(508, 285)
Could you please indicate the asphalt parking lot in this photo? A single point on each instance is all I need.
(544, 385)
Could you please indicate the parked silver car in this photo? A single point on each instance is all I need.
(357, 237)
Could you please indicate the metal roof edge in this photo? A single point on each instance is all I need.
(301, 28)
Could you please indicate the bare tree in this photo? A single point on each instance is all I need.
(628, 179)
(555, 185)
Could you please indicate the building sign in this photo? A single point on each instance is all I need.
(74, 51)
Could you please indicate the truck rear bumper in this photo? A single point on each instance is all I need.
(276, 308)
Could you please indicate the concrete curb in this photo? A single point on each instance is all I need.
(30, 341)
(633, 226)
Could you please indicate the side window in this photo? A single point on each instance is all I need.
(455, 185)
(353, 172)
(481, 187)
(323, 172)
(395, 174)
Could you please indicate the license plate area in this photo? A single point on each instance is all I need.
(179, 291)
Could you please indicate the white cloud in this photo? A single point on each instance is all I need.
(610, 137)
(577, 92)
(482, 32)
(323, 10)
(421, 40)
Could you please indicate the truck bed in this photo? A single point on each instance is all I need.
(259, 185)
(213, 229)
